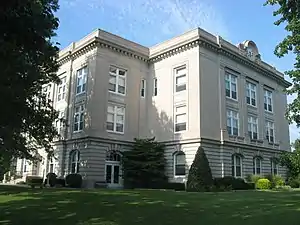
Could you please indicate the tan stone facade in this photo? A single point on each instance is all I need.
(195, 89)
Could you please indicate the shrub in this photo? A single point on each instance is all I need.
(294, 182)
(176, 186)
(283, 188)
(200, 176)
(252, 178)
(232, 183)
(51, 177)
(74, 180)
(21, 182)
(34, 181)
(263, 184)
(61, 182)
(276, 180)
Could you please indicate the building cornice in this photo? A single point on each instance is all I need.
(98, 42)
(220, 49)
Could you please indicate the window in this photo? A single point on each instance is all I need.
(268, 101)
(274, 167)
(51, 165)
(180, 79)
(115, 118)
(253, 127)
(256, 165)
(180, 118)
(117, 80)
(270, 131)
(25, 165)
(81, 80)
(232, 122)
(79, 118)
(60, 121)
(47, 91)
(61, 89)
(231, 85)
(236, 165)
(75, 161)
(251, 93)
(179, 164)
(143, 88)
(113, 156)
(155, 87)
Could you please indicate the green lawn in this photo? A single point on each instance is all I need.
(107, 207)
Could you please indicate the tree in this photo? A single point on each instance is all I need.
(289, 12)
(200, 176)
(144, 165)
(28, 61)
(291, 160)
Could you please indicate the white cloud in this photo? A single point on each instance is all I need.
(159, 18)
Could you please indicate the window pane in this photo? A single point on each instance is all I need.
(180, 127)
(180, 80)
(120, 119)
(180, 170)
(180, 87)
(109, 126)
(120, 110)
(119, 127)
(122, 72)
(180, 159)
(180, 118)
(238, 171)
(110, 117)
(108, 173)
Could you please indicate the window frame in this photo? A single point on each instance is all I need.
(115, 114)
(274, 167)
(81, 115)
(143, 88)
(252, 89)
(180, 114)
(62, 86)
(175, 165)
(253, 122)
(234, 165)
(268, 128)
(183, 73)
(232, 117)
(268, 98)
(155, 90)
(117, 78)
(255, 167)
(83, 76)
(76, 162)
(229, 79)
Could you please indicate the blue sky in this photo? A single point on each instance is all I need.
(151, 21)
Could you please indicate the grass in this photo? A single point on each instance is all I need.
(110, 207)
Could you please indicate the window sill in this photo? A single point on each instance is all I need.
(252, 106)
(179, 176)
(119, 94)
(232, 99)
(269, 112)
(115, 132)
(81, 93)
(77, 131)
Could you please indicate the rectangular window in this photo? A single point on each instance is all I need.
(79, 118)
(180, 79)
(47, 91)
(155, 86)
(60, 121)
(268, 100)
(143, 88)
(115, 118)
(117, 80)
(270, 131)
(232, 122)
(81, 80)
(61, 89)
(251, 93)
(274, 167)
(180, 118)
(253, 127)
(231, 85)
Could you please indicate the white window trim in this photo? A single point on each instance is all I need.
(251, 90)
(84, 78)
(81, 111)
(231, 121)
(255, 165)
(253, 122)
(115, 118)
(185, 73)
(62, 85)
(117, 80)
(155, 87)
(76, 162)
(267, 97)
(186, 118)
(234, 165)
(272, 167)
(143, 88)
(268, 129)
(174, 165)
(230, 84)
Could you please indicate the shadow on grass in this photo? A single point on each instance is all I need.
(108, 207)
